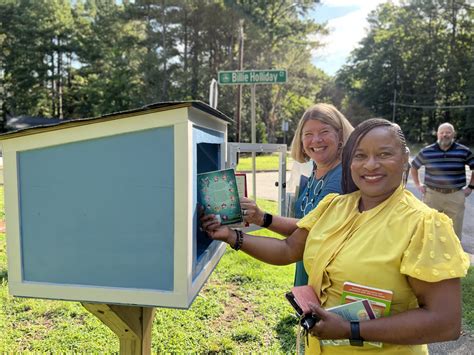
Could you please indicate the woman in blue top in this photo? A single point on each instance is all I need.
(319, 137)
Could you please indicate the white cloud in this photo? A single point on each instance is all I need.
(345, 33)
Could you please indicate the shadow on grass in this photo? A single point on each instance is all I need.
(286, 330)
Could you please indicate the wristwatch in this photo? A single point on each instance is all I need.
(471, 186)
(356, 339)
(267, 220)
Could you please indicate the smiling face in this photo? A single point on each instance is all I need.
(320, 142)
(377, 166)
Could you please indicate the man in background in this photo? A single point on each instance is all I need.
(444, 188)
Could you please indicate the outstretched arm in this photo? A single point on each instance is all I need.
(270, 250)
(254, 215)
(438, 318)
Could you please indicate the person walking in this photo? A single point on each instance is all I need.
(444, 187)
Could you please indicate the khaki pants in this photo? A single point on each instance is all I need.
(451, 204)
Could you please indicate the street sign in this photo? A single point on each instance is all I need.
(251, 77)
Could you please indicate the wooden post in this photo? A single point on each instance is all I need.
(132, 324)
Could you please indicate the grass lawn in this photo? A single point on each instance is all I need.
(468, 300)
(241, 308)
(267, 162)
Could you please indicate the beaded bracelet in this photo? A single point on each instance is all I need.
(239, 240)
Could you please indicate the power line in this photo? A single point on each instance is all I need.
(467, 93)
(432, 106)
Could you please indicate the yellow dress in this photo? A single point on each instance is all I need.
(378, 248)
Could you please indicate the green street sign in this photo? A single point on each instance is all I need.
(251, 77)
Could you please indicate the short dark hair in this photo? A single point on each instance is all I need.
(347, 183)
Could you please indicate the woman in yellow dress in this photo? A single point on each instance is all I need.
(377, 234)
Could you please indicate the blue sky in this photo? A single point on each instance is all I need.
(347, 22)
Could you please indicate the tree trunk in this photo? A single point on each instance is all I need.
(164, 94)
(60, 82)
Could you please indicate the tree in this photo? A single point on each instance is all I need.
(421, 52)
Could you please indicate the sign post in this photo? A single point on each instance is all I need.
(254, 140)
(253, 77)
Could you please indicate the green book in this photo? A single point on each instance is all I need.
(218, 194)
(359, 310)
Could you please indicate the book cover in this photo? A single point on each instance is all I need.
(379, 299)
(241, 179)
(219, 195)
(358, 310)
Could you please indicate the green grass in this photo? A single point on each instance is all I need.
(267, 162)
(468, 300)
(241, 308)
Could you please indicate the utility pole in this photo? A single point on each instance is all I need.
(394, 104)
(241, 66)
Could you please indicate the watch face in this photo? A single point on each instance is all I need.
(267, 219)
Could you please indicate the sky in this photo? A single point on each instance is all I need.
(347, 22)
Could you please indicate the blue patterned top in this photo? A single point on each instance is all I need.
(311, 194)
(316, 189)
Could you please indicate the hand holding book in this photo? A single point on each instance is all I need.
(219, 195)
(216, 231)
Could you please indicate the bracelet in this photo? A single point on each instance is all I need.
(356, 339)
(238, 240)
(267, 220)
(471, 186)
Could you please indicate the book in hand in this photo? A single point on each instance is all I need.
(241, 179)
(379, 299)
(358, 310)
(218, 194)
(355, 311)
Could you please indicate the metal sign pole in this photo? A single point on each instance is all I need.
(254, 140)
(252, 77)
(213, 93)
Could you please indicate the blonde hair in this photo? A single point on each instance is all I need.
(325, 113)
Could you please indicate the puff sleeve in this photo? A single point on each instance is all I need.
(434, 252)
(310, 219)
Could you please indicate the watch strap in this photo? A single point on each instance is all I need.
(356, 339)
(471, 186)
(267, 220)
